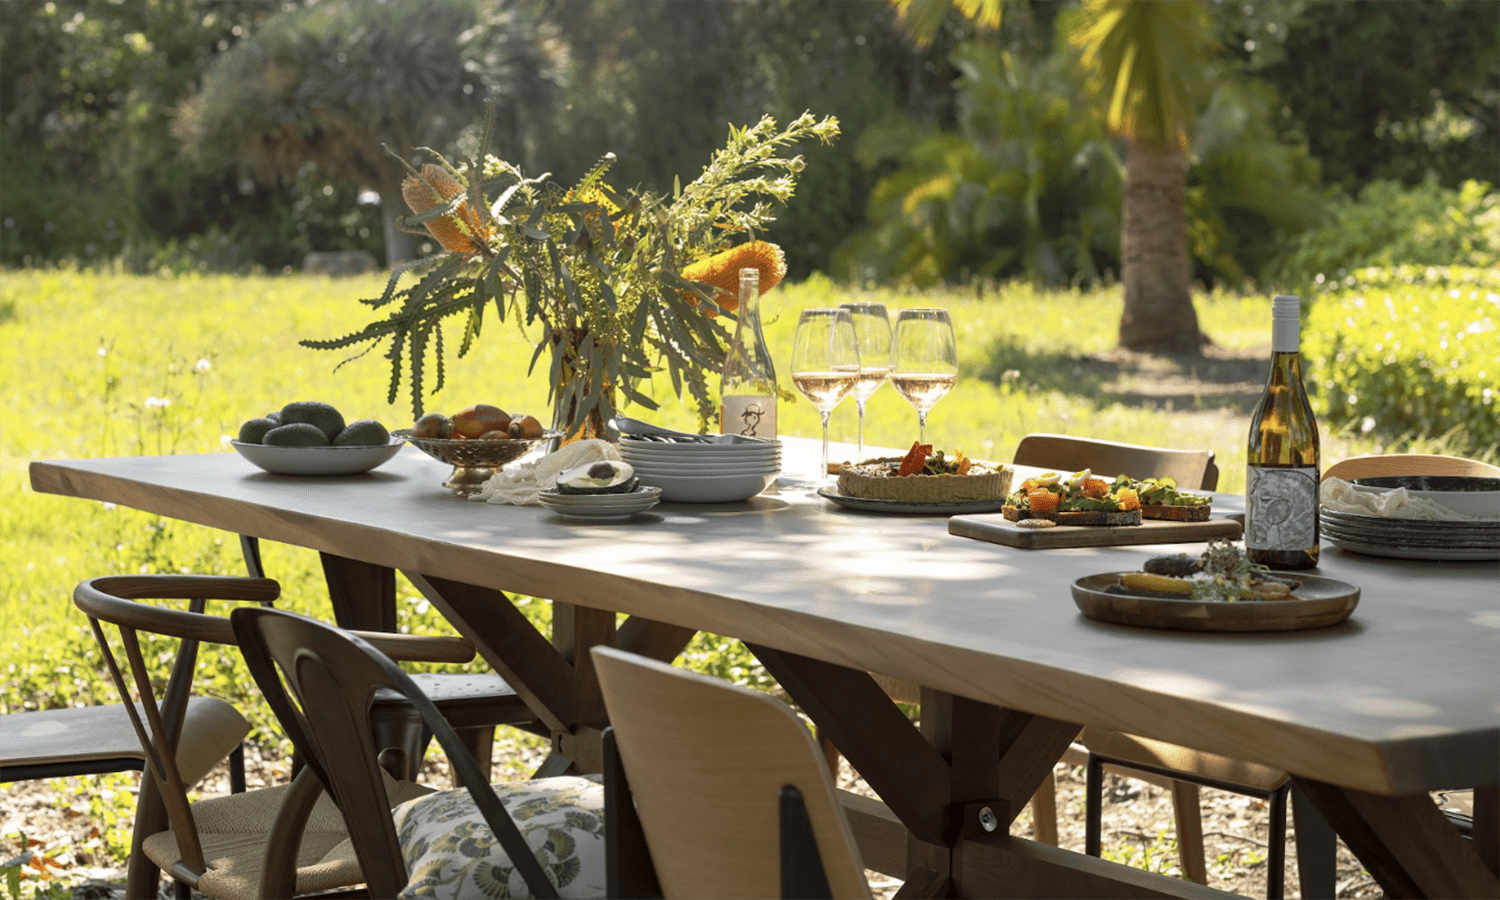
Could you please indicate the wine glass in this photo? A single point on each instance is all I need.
(825, 363)
(873, 329)
(924, 360)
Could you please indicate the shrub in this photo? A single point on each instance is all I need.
(1409, 352)
(1390, 225)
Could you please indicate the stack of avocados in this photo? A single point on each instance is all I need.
(310, 423)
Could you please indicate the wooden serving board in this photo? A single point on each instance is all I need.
(994, 527)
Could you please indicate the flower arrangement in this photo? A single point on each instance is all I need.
(621, 283)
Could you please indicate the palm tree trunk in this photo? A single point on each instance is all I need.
(1159, 312)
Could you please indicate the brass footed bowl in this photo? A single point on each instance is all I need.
(473, 460)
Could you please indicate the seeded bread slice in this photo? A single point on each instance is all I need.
(1177, 513)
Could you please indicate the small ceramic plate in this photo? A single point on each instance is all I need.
(317, 460)
(908, 507)
(1319, 602)
(601, 507)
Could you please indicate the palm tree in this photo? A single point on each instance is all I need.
(1149, 58)
(334, 83)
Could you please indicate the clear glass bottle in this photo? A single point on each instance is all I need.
(1281, 476)
(747, 387)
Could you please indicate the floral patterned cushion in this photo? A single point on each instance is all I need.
(450, 851)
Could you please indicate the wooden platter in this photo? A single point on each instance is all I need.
(1320, 602)
(995, 529)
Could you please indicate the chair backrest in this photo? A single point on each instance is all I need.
(1064, 453)
(706, 763)
(1408, 464)
(319, 681)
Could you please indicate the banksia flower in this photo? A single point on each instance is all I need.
(458, 232)
(722, 270)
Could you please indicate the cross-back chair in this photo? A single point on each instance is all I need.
(218, 846)
(732, 794)
(541, 838)
(475, 704)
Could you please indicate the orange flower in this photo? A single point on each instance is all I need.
(1128, 499)
(722, 270)
(458, 232)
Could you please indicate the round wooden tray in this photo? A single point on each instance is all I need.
(1321, 602)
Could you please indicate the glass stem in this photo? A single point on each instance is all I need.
(922, 426)
(861, 405)
(823, 472)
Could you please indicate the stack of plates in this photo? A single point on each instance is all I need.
(691, 472)
(1412, 538)
(600, 507)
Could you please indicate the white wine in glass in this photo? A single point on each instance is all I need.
(924, 360)
(873, 329)
(825, 363)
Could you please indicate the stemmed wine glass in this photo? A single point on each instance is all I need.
(924, 360)
(825, 363)
(873, 329)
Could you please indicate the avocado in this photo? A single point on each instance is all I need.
(603, 477)
(297, 434)
(363, 433)
(328, 420)
(254, 430)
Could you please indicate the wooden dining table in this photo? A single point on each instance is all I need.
(1369, 715)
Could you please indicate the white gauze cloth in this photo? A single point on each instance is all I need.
(521, 485)
(1342, 496)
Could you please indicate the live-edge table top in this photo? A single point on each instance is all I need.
(1400, 698)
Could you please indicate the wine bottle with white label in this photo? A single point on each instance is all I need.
(747, 387)
(1281, 478)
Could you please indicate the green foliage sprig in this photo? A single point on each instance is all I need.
(596, 268)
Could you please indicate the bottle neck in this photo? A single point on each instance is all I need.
(749, 314)
(1286, 335)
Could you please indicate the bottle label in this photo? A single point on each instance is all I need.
(1281, 508)
(751, 416)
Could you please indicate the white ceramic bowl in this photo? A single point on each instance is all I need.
(1466, 495)
(707, 488)
(317, 460)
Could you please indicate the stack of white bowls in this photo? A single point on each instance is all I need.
(703, 472)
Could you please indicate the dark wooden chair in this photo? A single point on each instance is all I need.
(219, 846)
(732, 794)
(320, 680)
(475, 704)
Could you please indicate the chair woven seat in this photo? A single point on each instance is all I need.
(233, 828)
